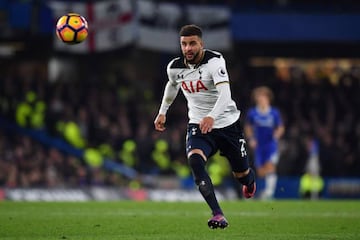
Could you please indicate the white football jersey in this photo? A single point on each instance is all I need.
(198, 86)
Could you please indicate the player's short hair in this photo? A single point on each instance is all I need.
(263, 90)
(190, 30)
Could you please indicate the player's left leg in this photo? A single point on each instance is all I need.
(266, 168)
(247, 179)
(232, 144)
(269, 171)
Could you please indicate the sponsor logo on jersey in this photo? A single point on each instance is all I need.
(193, 86)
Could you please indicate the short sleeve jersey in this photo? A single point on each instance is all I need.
(198, 84)
(264, 124)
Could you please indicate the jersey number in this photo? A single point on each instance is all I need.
(242, 147)
(193, 86)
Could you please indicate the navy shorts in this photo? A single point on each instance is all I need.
(228, 140)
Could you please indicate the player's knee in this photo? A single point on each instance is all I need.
(196, 160)
(197, 151)
(241, 174)
(247, 177)
(202, 180)
(197, 164)
(266, 169)
(260, 172)
(269, 167)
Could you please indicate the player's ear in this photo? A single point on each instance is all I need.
(201, 43)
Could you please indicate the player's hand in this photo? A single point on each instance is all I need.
(252, 143)
(160, 122)
(206, 125)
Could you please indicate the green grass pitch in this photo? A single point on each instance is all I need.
(127, 220)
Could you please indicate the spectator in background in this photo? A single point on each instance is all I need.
(311, 182)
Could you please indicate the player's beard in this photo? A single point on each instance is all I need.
(193, 59)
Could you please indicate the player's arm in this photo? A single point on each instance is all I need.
(224, 98)
(249, 131)
(170, 93)
(280, 129)
(221, 81)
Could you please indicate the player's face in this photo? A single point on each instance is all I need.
(262, 100)
(191, 47)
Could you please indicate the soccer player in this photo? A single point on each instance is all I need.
(213, 116)
(263, 129)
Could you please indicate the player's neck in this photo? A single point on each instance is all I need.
(264, 108)
(197, 61)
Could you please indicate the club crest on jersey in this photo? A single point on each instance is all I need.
(193, 131)
(221, 72)
(193, 86)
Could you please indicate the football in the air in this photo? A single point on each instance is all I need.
(72, 28)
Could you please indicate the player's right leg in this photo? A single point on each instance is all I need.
(233, 146)
(267, 170)
(247, 179)
(197, 162)
(198, 150)
(218, 221)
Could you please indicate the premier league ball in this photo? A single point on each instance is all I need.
(72, 28)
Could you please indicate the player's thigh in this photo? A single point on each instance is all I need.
(270, 154)
(266, 155)
(235, 150)
(259, 158)
(274, 157)
(196, 140)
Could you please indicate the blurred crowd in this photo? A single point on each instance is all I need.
(320, 103)
(109, 113)
(110, 107)
(27, 163)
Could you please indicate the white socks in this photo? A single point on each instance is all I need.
(270, 185)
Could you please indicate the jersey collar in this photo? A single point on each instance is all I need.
(199, 63)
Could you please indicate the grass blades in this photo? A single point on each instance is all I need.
(127, 220)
